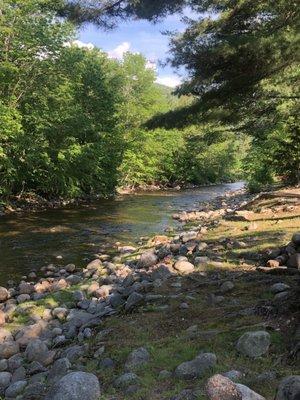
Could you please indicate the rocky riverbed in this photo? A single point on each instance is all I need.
(200, 313)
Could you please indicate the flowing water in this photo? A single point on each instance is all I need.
(73, 234)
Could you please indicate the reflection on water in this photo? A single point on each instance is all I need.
(30, 241)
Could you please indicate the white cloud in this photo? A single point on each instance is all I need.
(169, 80)
(120, 50)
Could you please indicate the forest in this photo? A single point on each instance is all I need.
(76, 123)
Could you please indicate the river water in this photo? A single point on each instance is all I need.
(74, 234)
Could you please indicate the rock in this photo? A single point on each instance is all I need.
(187, 236)
(59, 368)
(107, 363)
(126, 380)
(26, 288)
(233, 375)
(15, 389)
(94, 265)
(73, 353)
(273, 264)
(34, 368)
(294, 261)
(279, 287)
(37, 350)
(196, 368)
(75, 386)
(78, 295)
(137, 358)
(116, 300)
(4, 294)
(164, 374)
(184, 267)
(19, 375)
(15, 362)
(254, 344)
(281, 296)
(60, 313)
(226, 287)
(8, 349)
(3, 365)
(147, 260)
(162, 272)
(133, 301)
(183, 306)
(5, 378)
(22, 298)
(2, 318)
(296, 239)
(289, 388)
(70, 268)
(34, 391)
(248, 394)
(42, 287)
(219, 387)
(73, 279)
(30, 332)
(5, 336)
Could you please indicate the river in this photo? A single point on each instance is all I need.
(73, 234)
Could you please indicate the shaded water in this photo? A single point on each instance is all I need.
(30, 241)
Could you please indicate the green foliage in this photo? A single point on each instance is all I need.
(75, 123)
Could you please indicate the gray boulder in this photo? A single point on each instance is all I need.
(5, 378)
(75, 386)
(289, 388)
(37, 350)
(15, 389)
(196, 368)
(137, 358)
(133, 301)
(279, 287)
(254, 344)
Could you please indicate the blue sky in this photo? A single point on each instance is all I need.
(138, 36)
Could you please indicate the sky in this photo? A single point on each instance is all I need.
(138, 37)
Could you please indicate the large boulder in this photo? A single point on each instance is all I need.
(75, 386)
(254, 344)
(219, 387)
(289, 388)
(197, 367)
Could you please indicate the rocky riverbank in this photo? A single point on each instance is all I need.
(186, 315)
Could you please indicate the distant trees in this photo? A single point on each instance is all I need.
(242, 59)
